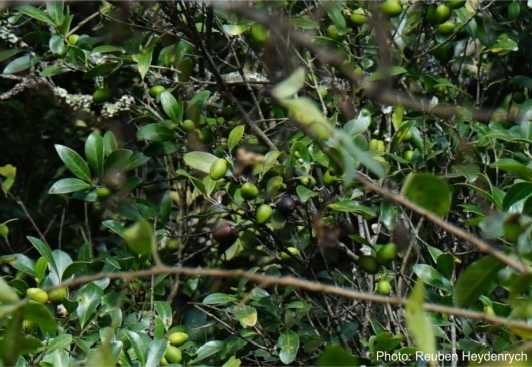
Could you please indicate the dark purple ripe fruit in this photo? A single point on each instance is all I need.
(286, 205)
(224, 234)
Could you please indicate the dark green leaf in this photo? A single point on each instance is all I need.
(429, 192)
(517, 192)
(162, 149)
(336, 356)
(74, 162)
(475, 280)
(35, 13)
(511, 165)
(109, 143)
(429, 275)
(206, 350)
(44, 250)
(94, 152)
(304, 193)
(155, 132)
(116, 161)
(144, 61)
(68, 185)
(172, 107)
(196, 104)
(40, 315)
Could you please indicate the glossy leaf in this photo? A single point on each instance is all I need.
(517, 192)
(475, 280)
(352, 206)
(290, 86)
(40, 315)
(196, 105)
(418, 323)
(74, 162)
(35, 13)
(289, 343)
(68, 185)
(95, 152)
(200, 161)
(172, 107)
(155, 353)
(144, 61)
(206, 350)
(44, 250)
(246, 315)
(109, 143)
(155, 132)
(219, 299)
(7, 294)
(117, 161)
(429, 192)
(234, 137)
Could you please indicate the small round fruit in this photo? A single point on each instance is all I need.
(101, 95)
(264, 213)
(359, 17)
(164, 362)
(408, 155)
(57, 295)
(332, 33)
(456, 4)
(518, 97)
(172, 244)
(29, 325)
(156, 90)
(177, 338)
(249, 191)
(259, 33)
(4, 230)
(384, 287)
(224, 234)
(286, 205)
(387, 253)
(392, 8)
(368, 264)
(173, 355)
(188, 125)
(405, 135)
(218, 169)
(37, 295)
(380, 146)
(292, 250)
(446, 28)
(73, 39)
(103, 192)
(443, 13)
(328, 179)
(374, 145)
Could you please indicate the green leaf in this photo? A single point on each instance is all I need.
(155, 132)
(517, 192)
(156, 351)
(234, 137)
(100, 357)
(196, 105)
(117, 161)
(44, 250)
(11, 341)
(35, 13)
(162, 149)
(246, 315)
(135, 161)
(289, 343)
(54, 70)
(7, 294)
(88, 297)
(103, 70)
(336, 356)
(172, 107)
(68, 185)
(445, 264)
(429, 192)
(144, 61)
(40, 315)
(95, 152)
(475, 280)
(206, 350)
(386, 73)
(304, 193)
(305, 111)
(418, 323)
(56, 12)
(357, 126)
(74, 162)
(20, 64)
(352, 206)
(197, 183)
(511, 165)
(201, 161)
(139, 237)
(219, 299)
(235, 29)
(9, 172)
(429, 275)
(109, 143)
(290, 86)
(232, 362)
(57, 44)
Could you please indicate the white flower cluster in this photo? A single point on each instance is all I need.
(123, 104)
(97, 58)
(99, 82)
(76, 101)
(6, 33)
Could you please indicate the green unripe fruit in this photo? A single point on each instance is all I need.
(380, 146)
(57, 295)
(518, 97)
(443, 13)
(374, 145)
(384, 287)
(332, 33)
(392, 8)
(264, 213)
(387, 253)
(292, 250)
(164, 362)
(259, 33)
(103, 192)
(456, 4)
(172, 244)
(37, 295)
(177, 338)
(328, 179)
(156, 90)
(73, 39)
(359, 17)
(173, 355)
(101, 95)
(188, 125)
(29, 325)
(446, 28)
(249, 191)
(218, 169)
(368, 264)
(139, 237)
(408, 155)
(4, 230)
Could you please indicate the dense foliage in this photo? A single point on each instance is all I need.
(264, 182)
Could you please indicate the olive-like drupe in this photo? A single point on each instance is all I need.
(224, 234)
(286, 205)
